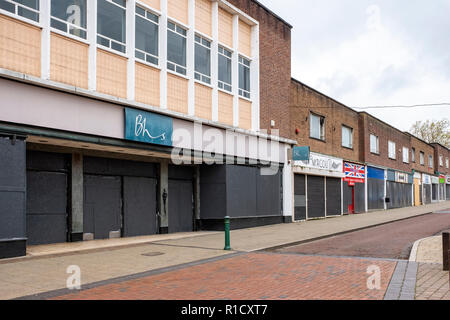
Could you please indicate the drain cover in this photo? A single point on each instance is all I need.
(152, 254)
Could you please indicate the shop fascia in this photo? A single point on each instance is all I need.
(320, 164)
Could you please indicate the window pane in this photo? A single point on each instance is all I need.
(224, 69)
(72, 11)
(146, 36)
(202, 60)
(33, 4)
(23, 12)
(346, 137)
(58, 25)
(315, 126)
(176, 48)
(7, 6)
(244, 77)
(111, 21)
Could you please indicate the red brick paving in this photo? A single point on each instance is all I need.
(254, 276)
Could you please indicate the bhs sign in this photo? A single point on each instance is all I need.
(148, 127)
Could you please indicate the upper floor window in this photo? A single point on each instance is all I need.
(413, 155)
(446, 163)
(405, 155)
(441, 161)
(317, 127)
(69, 16)
(422, 158)
(176, 48)
(28, 9)
(391, 148)
(430, 161)
(244, 77)
(111, 24)
(225, 69)
(202, 59)
(347, 137)
(147, 46)
(374, 144)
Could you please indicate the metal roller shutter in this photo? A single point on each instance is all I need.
(300, 197)
(316, 197)
(333, 196)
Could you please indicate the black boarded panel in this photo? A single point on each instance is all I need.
(119, 167)
(360, 198)
(102, 205)
(300, 197)
(268, 194)
(241, 191)
(12, 189)
(333, 196)
(46, 161)
(181, 207)
(375, 194)
(213, 194)
(316, 197)
(46, 207)
(139, 199)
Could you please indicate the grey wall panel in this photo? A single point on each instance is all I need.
(46, 193)
(140, 206)
(333, 196)
(434, 192)
(213, 192)
(181, 172)
(448, 191)
(268, 194)
(427, 193)
(299, 197)
(316, 197)
(119, 167)
(102, 205)
(12, 188)
(181, 206)
(375, 194)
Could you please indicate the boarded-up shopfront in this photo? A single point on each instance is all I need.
(398, 189)
(375, 188)
(354, 187)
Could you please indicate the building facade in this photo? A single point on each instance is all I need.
(441, 163)
(123, 118)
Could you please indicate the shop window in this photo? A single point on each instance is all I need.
(69, 16)
(111, 24)
(28, 9)
(176, 48)
(147, 28)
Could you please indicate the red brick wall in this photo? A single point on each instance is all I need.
(305, 100)
(438, 151)
(275, 66)
(427, 149)
(385, 133)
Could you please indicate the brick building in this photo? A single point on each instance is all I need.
(113, 111)
(442, 169)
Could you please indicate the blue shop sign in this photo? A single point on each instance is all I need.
(148, 127)
(375, 173)
(300, 153)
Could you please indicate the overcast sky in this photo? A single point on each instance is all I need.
(371, 53)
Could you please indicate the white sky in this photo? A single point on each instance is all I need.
(371, 53)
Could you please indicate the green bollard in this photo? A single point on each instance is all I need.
(227, 233)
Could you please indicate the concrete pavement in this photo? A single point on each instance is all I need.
(32, 275)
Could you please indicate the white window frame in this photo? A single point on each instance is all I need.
(405, 155)
(392, 147)
(221, 84)
(422, 158)
(441, 160)
(351, 136)
(413, 155)
(377, 146)
(446, 163)
(241, 62)
(430, 161)
(203, 77)
(185, 35)
(321, 126)
(109, 39)
(155, 23)
(16, 11)
(68, 24)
